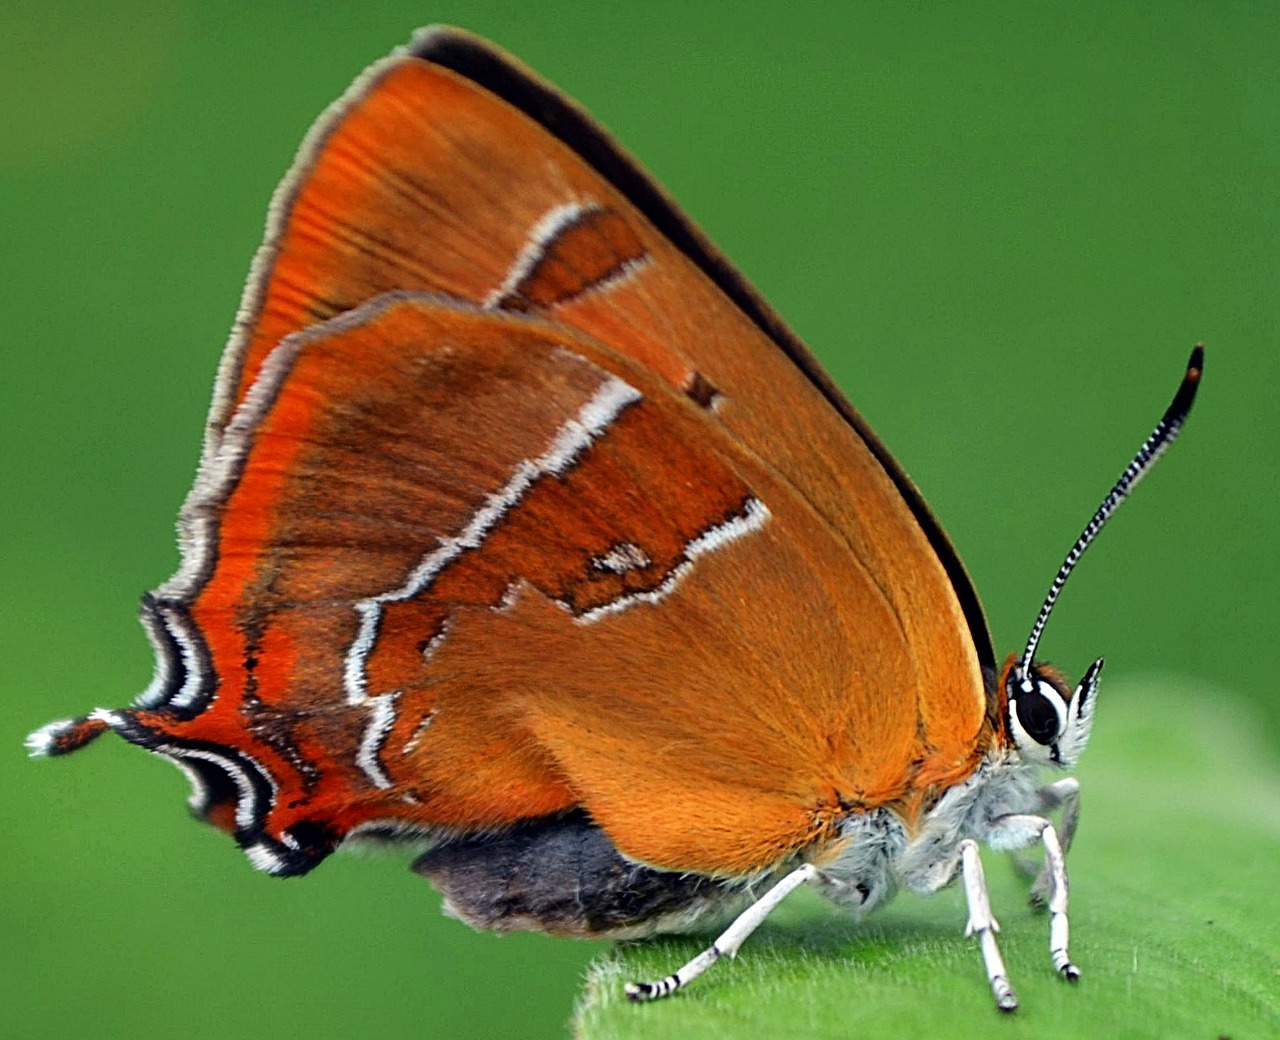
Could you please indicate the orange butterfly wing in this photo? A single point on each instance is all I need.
(730, 620)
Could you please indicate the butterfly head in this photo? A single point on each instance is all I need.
(1045, 719)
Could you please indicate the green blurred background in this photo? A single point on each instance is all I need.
(1001, 226)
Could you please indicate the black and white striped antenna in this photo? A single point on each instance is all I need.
(1153, 447)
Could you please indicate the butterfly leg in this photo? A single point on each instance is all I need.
(983, 924)
(927, 872)
(729, 942)
(1064, 793)
(1017, 831)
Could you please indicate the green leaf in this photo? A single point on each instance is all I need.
(1175, 916)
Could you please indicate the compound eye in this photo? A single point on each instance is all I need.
(1038, 716)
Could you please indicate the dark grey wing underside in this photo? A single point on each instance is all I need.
(563, 876)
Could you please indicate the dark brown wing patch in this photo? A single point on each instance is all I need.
(575, 249)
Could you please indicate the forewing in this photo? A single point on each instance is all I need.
(450, 168)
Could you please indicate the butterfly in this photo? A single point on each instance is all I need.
(527, 535)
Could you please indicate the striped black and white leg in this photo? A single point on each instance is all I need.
(983, 924)
(728, 943)
(1017, 831)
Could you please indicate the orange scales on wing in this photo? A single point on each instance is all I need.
(415, 124)
(428, 181)
(733, 738)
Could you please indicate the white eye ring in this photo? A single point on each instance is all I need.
(1030, 748)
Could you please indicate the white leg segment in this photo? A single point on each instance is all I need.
(983, 924)
(1056, 869)
(1017, 831)
(729, 943)
(1067, 793)
(1064, 793)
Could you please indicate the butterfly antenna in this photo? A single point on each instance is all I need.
(1167, 429)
